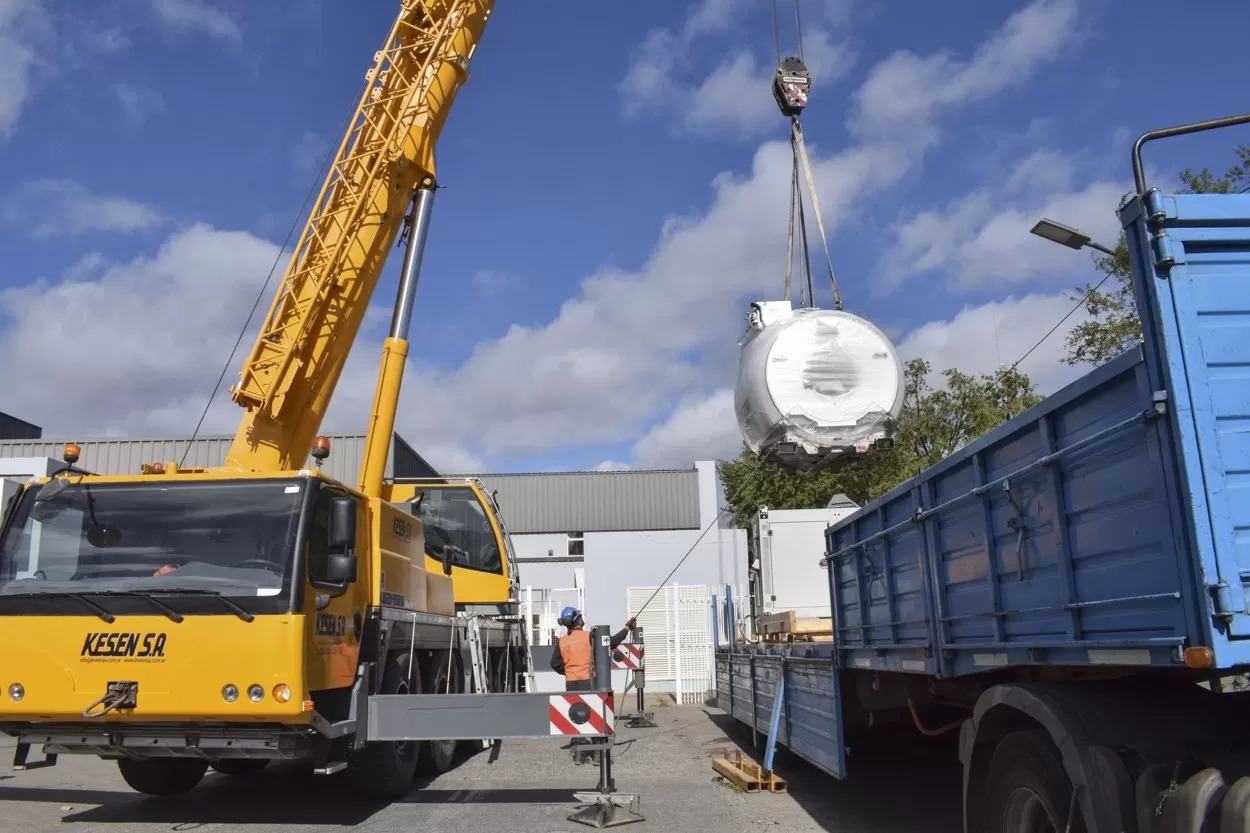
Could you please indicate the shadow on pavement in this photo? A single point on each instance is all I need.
(901, 782)
(281, 797)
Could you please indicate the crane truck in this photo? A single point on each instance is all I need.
(177, 619)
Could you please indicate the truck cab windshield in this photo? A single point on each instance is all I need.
(235, 538)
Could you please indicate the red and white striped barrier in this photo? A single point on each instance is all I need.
(627, 657)
(589, 713)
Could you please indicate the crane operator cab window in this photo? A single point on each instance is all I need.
(455, 521)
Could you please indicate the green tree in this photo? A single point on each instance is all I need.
(934, 423)
(1114, 325)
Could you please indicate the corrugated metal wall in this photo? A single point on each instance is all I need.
(592, 501)
(117, 455)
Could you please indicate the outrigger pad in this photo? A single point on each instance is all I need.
(641, 720)
(606, 809)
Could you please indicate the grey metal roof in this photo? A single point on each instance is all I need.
(126, 455)
(595, 501)
(543, 502)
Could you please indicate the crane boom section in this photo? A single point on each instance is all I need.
(388, 150)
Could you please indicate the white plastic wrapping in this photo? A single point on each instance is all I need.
(815, 381)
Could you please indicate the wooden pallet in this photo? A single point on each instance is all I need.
(788, 626)
(746, 773)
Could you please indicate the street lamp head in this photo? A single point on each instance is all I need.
(1060, 233)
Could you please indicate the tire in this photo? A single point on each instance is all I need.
(1027, 789)
(437, 756)
(241, 767)
(386, 769)
(162, 776)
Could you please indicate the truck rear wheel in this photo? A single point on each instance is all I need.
(1027, 789)
(437, 756)
(386, 769)
(162, 776)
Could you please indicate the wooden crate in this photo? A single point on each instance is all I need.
(788, 626)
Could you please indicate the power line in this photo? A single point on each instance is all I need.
(1051, 331)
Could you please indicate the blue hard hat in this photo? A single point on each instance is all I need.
(569, 615)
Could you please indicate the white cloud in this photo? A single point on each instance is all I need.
(612, 465)
(906, 90)
(197, 16)
(59, 207)
(735, 95)
(137, 102)
(983, 238)
(701, 428)
(987, 338)
(134, 349)
(16, 59)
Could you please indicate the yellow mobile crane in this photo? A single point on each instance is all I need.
(178, 619)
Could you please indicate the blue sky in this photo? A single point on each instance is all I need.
(615, 195)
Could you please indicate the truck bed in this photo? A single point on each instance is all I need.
(1105, 526)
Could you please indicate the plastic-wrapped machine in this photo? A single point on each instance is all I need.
(816, 388)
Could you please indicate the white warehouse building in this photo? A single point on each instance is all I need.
(583, 537)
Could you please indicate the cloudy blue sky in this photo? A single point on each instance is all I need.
(616, 187)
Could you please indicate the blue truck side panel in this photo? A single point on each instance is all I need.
(1107, 525)
(810, 719)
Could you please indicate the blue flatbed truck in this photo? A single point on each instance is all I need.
(1071, 592)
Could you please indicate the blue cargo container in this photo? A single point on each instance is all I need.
(1076, 581)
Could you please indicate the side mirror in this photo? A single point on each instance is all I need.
(342, 531)
(341, 568)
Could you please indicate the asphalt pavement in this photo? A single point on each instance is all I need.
(528, 789)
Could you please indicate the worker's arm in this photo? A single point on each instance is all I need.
(557, 659)
(619, 637)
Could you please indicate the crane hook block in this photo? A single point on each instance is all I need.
(791, 86)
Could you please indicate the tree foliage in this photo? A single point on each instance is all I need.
(1114, 325)
(934, 423)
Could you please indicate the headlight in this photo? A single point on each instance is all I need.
(230, 692)
(282, 692)
(17, 691)
(255, 693)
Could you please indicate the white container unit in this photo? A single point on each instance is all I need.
(787, 547)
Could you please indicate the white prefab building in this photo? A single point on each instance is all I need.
(601, 541)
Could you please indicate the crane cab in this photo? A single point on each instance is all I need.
(465, 538)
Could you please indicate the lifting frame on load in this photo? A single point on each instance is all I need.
(589, 714)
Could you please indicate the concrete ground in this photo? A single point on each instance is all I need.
(527, 790)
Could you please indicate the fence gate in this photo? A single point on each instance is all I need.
(678, 630)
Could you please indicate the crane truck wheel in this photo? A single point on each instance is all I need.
(386, 769)
(1027, 788)
(162, 776)
(437, 756)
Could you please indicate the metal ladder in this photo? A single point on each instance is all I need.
(481, 683)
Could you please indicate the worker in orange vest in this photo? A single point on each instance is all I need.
(574, 657)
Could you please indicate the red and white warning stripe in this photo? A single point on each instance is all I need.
(627, 656)
(590, 713)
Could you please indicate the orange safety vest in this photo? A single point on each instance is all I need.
(575, 651)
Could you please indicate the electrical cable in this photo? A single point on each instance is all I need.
(319, 178)
(1051, 331)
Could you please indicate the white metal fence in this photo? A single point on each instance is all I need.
(541, 606)
(677, 628)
